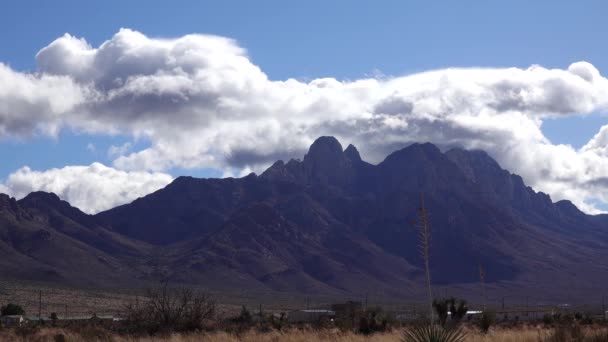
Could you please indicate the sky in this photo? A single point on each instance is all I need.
(106, 102)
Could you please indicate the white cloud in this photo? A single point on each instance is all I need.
(599, 143)
(201, 102)
(4, 189)
(117, 151)
(91, 188)
(31, 103)
(91, 147)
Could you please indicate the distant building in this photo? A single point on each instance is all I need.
(12, 320)
(310, 316)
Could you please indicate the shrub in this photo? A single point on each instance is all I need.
(11, 309)
(441, 307)
(458, 309)
(54, 318)
(244, 317)
(170, 310)
(586, 319)
(433, 333)
(344, 323)
(487, 319)
(374, 320)
(548, 319)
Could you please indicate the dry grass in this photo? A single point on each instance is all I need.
(521, 334)
(251, 336)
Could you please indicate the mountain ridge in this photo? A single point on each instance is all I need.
(333, 223)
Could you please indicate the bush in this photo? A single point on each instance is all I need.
(344, 323)
(441, 307)
(11, 309)
(170, 310)
(458, 309)
(244, 317)
(374, 320)
(54, 318)
(433, 333)
(487, 319)
(586, 319)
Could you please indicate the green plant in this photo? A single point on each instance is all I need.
(11, 309)
(585, 319)
(54, 318)
(245, 316)
(441, 307)
(458, 309)
(374, 320)
(486, 320)
(433, 333)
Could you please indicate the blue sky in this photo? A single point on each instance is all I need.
(345, 40)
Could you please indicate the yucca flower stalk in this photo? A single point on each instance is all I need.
(424, 235)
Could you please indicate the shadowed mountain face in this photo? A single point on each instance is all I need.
(333, 223)
(45, 239)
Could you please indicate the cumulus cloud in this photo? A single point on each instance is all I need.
(116, 151)
(599, 143)
(31, 103)
(201, 102)
(91, 188)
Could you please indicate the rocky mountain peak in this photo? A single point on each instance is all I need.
(352, 154)
(41, 196)
(324, 149)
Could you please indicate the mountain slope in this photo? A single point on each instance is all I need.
(480, 214)
(330, 223)
(45, 239)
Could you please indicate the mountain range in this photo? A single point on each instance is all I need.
(330, 223)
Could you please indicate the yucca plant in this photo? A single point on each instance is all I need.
(442, 307)
(433, 333)
(425, 235)
(458, 309)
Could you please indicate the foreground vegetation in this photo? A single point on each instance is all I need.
(181, 314)
(513, 334)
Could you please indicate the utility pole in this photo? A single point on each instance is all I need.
(365, 301)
